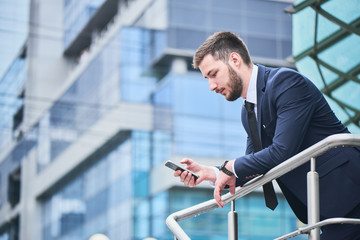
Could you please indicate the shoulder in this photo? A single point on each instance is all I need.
(280, 75)
(281, 79)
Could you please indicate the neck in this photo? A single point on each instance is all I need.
(247, 71)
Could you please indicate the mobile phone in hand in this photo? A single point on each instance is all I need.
(176, 167)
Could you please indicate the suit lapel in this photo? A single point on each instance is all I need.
(260, 86)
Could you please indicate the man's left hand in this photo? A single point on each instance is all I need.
(223, 180)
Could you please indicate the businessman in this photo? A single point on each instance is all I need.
(283, 114)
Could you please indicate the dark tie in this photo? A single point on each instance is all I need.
(269, 192)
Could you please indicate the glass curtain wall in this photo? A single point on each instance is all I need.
(262, 24)
(109, 197)
(11, 85)
(326, 48)
(14, 27)
(117, 74)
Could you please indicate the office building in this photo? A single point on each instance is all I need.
(107, 94)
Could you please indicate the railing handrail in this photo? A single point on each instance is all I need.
(283, 168)
(320, 224)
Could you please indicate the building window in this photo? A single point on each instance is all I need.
(14, 186)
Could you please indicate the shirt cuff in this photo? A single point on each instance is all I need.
(216, 170)
(233, 168)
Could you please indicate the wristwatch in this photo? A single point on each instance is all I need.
(223, 168)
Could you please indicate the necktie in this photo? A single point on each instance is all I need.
(268, 188)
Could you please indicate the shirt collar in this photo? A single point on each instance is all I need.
(251, 95)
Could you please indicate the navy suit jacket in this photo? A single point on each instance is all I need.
(292, 116)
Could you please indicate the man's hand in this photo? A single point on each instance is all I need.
(204, 172)
(223, 180)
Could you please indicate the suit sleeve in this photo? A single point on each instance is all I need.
(292, 98)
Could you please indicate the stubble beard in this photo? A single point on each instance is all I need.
(235, 85)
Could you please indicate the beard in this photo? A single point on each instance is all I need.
(235, 85)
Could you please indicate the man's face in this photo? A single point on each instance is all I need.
(223, 79)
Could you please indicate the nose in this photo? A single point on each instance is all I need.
(212, 85)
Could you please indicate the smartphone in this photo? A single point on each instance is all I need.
(176, 167)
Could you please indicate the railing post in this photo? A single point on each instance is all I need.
(232, 223)
(313, 200)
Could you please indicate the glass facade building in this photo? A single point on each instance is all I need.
(326, 48)
(92, 162)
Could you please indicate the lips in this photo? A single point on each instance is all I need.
(221, 91)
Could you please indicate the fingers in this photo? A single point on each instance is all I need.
(220, 184)
(186, 178)
(217, 196)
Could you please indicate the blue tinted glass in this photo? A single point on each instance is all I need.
(297, 2)
(307, 67)
(343, 55)
(325, 28)
(340, 113)
(345, 12)
(10, 87)
(206, 103)
(185, 15)
(262, 47)
(303, 30)
(353, 128)
(263, 25)
(136, 86)
(255, 222)
(86, 205)
(352, 92)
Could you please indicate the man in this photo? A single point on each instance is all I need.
(291, 115)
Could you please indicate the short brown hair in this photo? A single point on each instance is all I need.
(220, 45)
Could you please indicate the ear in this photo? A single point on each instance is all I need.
(235, 59)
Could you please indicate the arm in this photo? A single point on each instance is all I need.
(292, 97)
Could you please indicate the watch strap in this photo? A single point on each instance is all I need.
(224, 169)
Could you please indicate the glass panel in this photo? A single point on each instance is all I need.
(303, 30)
(297, 2)
(352, 92)
(340, 113)
(345, 12)
(325, 28)
(343, 55)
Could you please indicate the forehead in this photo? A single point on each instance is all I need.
(209, 64)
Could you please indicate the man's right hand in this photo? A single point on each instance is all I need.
(204, 172)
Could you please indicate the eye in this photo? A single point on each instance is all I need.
(214, 75)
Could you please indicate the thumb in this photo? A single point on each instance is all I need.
(186, 161)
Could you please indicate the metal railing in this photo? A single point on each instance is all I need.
(338, 140)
